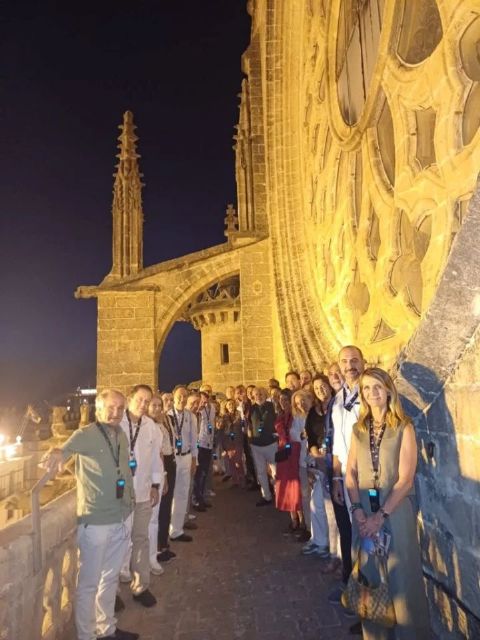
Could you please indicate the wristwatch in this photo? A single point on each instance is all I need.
(384, 513)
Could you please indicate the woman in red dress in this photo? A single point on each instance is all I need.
(288, 492)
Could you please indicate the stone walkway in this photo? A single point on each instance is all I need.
(240, 579)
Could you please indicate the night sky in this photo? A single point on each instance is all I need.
(68, 72)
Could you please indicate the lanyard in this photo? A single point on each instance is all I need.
(178, 427)
(133, 438)
(116, 458)
(207, 413)
(348, 406)
(329, 421)
(375, 449)
(263, 413)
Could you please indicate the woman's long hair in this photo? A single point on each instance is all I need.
(300, 393)
(395, 415)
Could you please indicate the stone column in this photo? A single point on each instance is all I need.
(126, 339)
(257, 294)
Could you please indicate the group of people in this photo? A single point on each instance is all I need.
(343, 455)
(333, 449)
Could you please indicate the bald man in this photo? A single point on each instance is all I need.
(105, 499)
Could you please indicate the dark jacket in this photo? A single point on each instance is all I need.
(263, 424)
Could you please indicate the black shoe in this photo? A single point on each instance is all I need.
(302, 536)
(199, 507)
(263, 503)
(291, 530)
(208, 505)
(184, 537)
(165, 556)
(226, 478)
(190, 525)
(121, 635)
(146, 598)
(119, 604)
(356, 629)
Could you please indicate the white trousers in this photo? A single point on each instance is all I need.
(319, 526)
(101, 552)
(334, 535)
(305, 487)
(153, 526)
(264, 457)
(138, 554)
(183, 478)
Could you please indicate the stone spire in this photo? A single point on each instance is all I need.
(127, 243)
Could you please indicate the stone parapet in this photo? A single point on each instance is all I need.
(38, 606)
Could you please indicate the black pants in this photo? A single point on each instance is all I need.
(345, 529)
(203, 465)
(165, 511)
(251, 473)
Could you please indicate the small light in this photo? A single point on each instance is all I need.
(2, 438)
(10, 451)
(18, 439)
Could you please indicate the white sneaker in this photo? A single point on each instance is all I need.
(155, 567)
(190, 516)
(125, 576)
(211, 493)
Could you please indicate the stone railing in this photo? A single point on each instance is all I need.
(37, 581)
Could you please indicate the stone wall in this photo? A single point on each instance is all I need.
(38, 606)
(125, 339)
(439, 377)
(257, 304)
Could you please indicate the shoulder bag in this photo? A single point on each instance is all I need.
(369, 602)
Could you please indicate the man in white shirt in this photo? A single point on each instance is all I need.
(185, 430)
(206, 431)
(145, 441)
(345, 411)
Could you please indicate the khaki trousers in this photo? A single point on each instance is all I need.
(264, 457)
(140, 560)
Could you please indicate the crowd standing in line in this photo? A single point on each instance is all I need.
(329, 448)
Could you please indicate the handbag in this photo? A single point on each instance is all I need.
(369, 602)
(282, 454)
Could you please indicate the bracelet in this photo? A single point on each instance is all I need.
(384, 513)
(338, 478)
(355, 505)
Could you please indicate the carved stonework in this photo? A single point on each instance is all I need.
(127, 205)
(373, 137)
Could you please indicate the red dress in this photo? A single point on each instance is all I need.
(288, 490)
